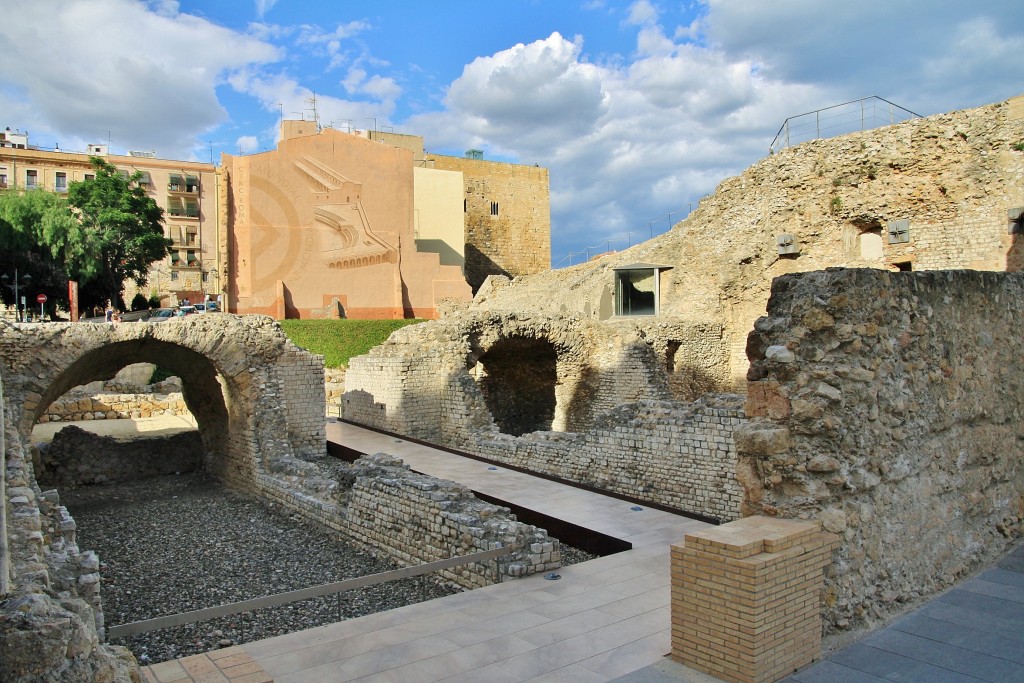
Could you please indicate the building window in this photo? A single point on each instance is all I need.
(61, 182)
(90, 176)
(174, 275)
(31, 179)
(494, 208)
(191, 184)
(904, 266)
(637, 289)
(3, 181)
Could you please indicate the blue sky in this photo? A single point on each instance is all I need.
(638, 108)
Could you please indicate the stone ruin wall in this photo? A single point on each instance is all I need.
(76, 458)
(411, 518)
(114, 406)
(889, 406)
(617, 428)
(51, 619)
(954, 176)
(886, 405)
(517, 240)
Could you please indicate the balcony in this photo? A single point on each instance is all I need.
(183, 184)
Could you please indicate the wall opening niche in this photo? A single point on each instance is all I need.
(517, 377)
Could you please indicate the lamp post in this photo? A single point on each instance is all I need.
(18, 285)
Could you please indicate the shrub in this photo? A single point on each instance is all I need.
(139, 302)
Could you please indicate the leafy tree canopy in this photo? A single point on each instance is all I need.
(107, 230)
(25, 222)
(122, 230)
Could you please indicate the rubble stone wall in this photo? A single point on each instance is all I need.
(76, 457)
(114, 406)
(616, 424)
(51, 617)
(952, 176)
(889, 406)
(412, 518)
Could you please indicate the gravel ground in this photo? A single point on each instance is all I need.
(183, 542)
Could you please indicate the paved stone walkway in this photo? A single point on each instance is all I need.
(974, 632)
(230, 665)
(603, 620)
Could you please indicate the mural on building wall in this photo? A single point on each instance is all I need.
(343, 216)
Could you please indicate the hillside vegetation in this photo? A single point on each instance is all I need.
(339, 340)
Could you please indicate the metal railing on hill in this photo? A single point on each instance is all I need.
(277, 599)
(606, 245)
(840, 119)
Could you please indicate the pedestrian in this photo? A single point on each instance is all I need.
(109, 313)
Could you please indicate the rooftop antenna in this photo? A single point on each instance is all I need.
(316, 115)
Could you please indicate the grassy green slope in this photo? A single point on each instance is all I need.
(339, 340)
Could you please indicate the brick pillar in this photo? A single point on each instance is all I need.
(746, 598)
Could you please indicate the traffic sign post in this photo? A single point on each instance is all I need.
(41, 298)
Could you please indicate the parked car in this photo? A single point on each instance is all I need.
(185, 310)
(160, 315)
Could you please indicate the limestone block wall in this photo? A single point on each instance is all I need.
(108, 406)
(889, 405)
(507, 217)
(419, 384)
(413, 518)
(302, 374)
(675, 454)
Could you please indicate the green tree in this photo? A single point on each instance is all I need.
(120, 234)
(27, 221)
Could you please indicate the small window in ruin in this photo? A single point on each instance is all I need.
(904, 266)
(494, 208)
(637, 289)
(1015, 218)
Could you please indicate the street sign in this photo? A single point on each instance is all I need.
(41, 298)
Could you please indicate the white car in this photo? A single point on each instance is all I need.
(160, 315)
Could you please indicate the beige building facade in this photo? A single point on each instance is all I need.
(185, 190)
(354, 224)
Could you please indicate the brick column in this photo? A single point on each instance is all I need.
(746, 598)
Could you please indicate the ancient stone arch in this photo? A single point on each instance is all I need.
(256, 397)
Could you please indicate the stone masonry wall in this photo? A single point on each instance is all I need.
(508, 217)
(620, 430)
(674, 454)
(109, 406)
(952, 176)
(412, 518)
(305, 396)
(76, 457)
(889, 406)
(51, 618)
